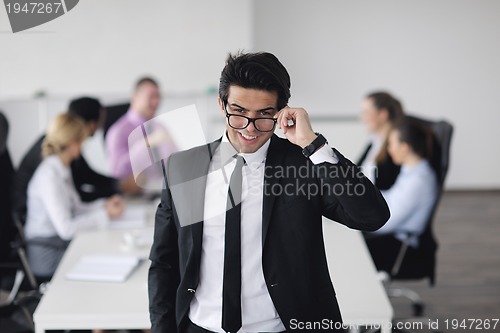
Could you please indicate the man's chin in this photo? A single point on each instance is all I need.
(249, 146)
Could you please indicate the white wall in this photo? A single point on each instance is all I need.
(102, 47)
(442, 58)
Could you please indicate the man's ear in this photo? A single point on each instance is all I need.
(221, 104)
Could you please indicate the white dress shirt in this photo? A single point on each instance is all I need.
(54, 206)
(258, 311)
(410, 201)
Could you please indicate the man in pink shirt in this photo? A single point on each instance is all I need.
(124, 152)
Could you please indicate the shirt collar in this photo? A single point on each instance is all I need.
(419, 165)
(62, 169)
(253, 160)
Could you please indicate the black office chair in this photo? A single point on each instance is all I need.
(25, 293)
(421, 264)
(14, 266)
(8, 263)
(113, 113)
(6, 175)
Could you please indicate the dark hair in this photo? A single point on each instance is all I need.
(87, 108)
(261, 71)
(144, 80)
(384, 100)
(416, 135)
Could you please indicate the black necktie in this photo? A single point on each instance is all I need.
(231, 289)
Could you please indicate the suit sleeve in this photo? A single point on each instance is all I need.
(349, 197)
(163, 279)
(83, 174)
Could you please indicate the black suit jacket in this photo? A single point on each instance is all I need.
(89, 184)
(386, 173)
(293, 256)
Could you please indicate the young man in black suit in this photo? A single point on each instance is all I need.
(238, 243)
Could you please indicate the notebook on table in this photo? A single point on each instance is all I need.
(103, 268)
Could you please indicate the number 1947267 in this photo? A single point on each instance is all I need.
(34, 7)
(471, 324)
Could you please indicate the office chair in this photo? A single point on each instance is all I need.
(7, 232)
(421, 264)
(6, 175)
(16, 313)
(113, 113)
(13, 263)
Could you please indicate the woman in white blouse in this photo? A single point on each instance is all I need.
(411, 198)
(55, 211)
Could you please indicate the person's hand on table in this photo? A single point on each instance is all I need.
(115, 206)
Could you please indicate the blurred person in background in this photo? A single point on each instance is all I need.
(55, 211)
(89, 184)
(380, 111)
(122, 152)
(412, 196)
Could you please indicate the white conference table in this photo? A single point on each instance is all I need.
(360, 293)
(95, 305)
(106, 305)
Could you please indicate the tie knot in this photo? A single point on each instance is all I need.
(240, 160)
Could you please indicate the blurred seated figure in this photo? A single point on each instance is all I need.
(55, 211)
(6, 171)
(89, 184)
(134, 140)
(380, 111)
(412, 196)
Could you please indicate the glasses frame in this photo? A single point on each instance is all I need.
(249, 120)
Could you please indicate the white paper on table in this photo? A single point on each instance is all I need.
(103, 268)
(133, 217)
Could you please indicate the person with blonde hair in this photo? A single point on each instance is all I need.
(55, 211)
(89, 183)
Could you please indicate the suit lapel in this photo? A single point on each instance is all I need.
(275, 157)
(200, 166)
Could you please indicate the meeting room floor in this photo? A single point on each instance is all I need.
(467, 227)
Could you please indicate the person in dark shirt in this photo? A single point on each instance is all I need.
(89, 184)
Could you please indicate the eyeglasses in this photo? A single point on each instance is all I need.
(237, 121)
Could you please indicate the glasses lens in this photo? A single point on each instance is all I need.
(238, 122)
(264, 125)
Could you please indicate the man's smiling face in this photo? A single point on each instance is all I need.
(252, 103)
